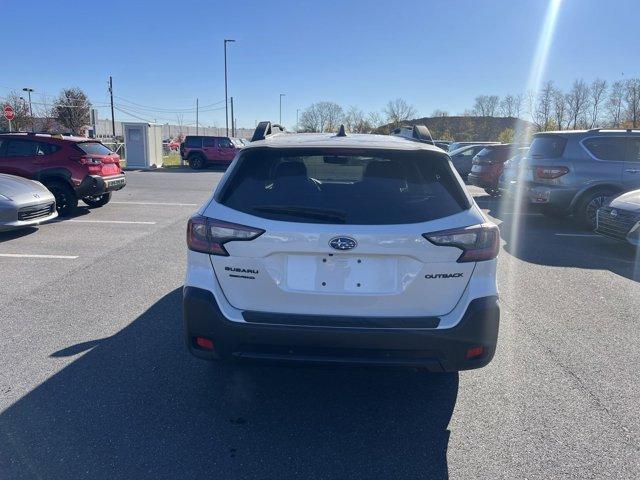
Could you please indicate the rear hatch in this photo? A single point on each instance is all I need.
(340, 232)
(99, 159)
(544, 162)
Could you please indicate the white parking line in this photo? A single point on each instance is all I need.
(159, 203)
(28, 255)
(109, 221)
(577, 235)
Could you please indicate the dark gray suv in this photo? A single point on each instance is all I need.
(577, 172)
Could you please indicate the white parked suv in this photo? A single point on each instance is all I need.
(347, 249)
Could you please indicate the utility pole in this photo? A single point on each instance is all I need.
(29, 90)
(197, 120)
(233, 130)
(226, 107)
(281, 95)
(113, 121)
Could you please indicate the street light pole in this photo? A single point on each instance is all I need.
(226, 98)
(281, 95)
(29, 90)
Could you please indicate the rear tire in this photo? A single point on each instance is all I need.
(66, 200)
(98, 201)
(197, 162)
(588, 205)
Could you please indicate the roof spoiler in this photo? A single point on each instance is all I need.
(266, 129)
(417, 133)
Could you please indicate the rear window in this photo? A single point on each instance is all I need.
(193, 142)
(94, 148)
(547, 146)
(606, 148)
(328, 186)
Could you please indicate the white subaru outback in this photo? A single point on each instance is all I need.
(347, 249)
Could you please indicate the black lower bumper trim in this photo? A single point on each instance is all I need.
(340, 321)
(96, 185)
(433, 349)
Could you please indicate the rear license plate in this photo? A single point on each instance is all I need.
(115, 183)
(342, 273)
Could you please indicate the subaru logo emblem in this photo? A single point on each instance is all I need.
(343, 243)
(614, 213)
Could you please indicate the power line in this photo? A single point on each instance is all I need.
(140, 106)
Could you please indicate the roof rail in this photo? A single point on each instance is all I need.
(628, 130)
(417, 133)
(266, 129)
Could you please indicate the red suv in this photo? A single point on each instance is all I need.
(488, 164)
(199, 151)
(72, 168)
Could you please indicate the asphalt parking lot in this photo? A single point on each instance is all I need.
(96, 383)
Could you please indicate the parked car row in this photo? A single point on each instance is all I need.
(45, 175)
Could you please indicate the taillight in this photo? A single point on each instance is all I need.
(208, 235)
(478, 242)
(549, 173)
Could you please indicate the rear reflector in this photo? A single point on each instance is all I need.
(204, 343)
(475, 352)
(478, 242)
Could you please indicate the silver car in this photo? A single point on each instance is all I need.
(621, 218)
(577, 172)
(24, 203)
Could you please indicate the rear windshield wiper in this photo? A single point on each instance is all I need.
(304, 212)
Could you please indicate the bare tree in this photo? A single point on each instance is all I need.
(72, 109)
(615, 102)
(398, 111)
(511, 106)
(321, 117)
(632, 101)
(375, 120)
(597, 94)
(577, 103)
(486, 105)
(21, 119)
(541, 106)
(355, 121)
(439, 113)
(559, 108)
(506, 107)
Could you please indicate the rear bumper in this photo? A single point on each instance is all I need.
(443, 349)
(97, 185)
(482, 181)
(559, 197)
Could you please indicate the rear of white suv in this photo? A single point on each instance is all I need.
(358, 249)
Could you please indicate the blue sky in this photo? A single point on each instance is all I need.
(434, 54)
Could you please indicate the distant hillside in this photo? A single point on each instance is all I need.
(465, 128)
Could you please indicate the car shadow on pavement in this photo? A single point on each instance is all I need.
(560, 242)
(137, 405)
(13, 234)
